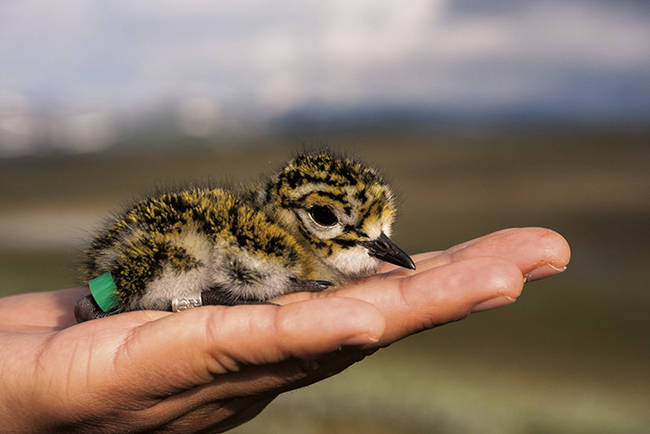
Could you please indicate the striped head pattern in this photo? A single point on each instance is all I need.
(342, 209)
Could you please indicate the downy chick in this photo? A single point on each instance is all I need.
(319, 221)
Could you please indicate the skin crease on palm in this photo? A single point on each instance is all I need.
(215, 367)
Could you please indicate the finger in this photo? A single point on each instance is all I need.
(180, 351)
(268, 380)
(209, 416)
(483, 238)
(538, 252)
(440, 295)
(278, 377)
(435, 296)
(245, 415)
(281, 377)
(421, 258)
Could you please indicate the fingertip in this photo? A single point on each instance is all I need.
(530, 248)
(554, 254)
(554, 247)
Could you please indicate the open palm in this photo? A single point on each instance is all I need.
(215, 367)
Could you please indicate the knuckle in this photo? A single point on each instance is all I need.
(501, 276)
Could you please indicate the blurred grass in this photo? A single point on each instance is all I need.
(36, 270)
(571, 355)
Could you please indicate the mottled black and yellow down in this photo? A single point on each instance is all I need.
(144, 237)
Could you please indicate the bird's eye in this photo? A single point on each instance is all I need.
(323, 216)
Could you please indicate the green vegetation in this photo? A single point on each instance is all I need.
(571, 356)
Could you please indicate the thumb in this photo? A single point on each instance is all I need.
(184, 350)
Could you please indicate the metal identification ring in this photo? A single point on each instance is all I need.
(180, 304)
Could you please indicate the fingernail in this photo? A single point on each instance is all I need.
(493, 303)
(545, 270)
(362, 339)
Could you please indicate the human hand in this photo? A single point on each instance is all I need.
(215, 367)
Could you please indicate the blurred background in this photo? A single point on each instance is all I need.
(484, 115)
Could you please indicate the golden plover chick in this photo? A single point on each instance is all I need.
(319, 221)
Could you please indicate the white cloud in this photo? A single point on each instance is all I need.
(198, 116)
(85, 131)
(268, 57)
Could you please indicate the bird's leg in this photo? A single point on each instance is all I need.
(87, 309)
(218, 297)
(310, 285)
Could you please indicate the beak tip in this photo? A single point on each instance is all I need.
(384, 249)
(405, 261)
(408, 263)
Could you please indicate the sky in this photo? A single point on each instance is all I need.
(79, 67)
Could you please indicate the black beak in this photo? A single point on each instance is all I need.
(386, 250)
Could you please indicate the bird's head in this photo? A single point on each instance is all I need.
(342, 208)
